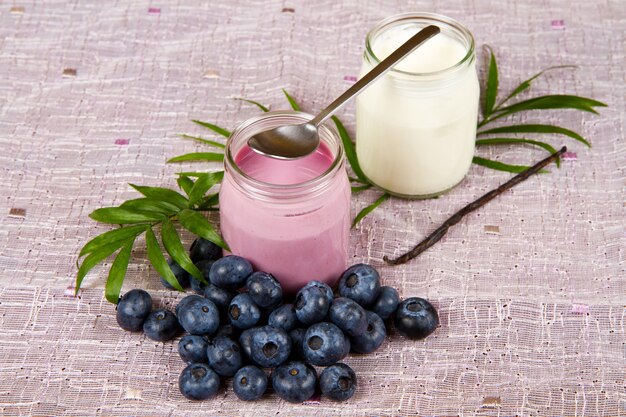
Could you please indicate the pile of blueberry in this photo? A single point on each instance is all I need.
(237, 324)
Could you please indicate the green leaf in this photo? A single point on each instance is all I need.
(557, 101)
(209, 201)
(259, 105)
(148, 205)
(198, 156)
(191, 174)
(492, 85)
(158, 260)
(352, 179)
(361, 188)
(117, 273)
(196, 223)
(205, 141)
(526, 84)
(203, 184)
(350, 150)
(173, 246)
(215, 128)
(94, 258)
(185, 183)
(535, 129)
(118, 215)
(291, 101)
(162, 194)
(106, 238)
(513, 141)
(501, 166)
(367, 210)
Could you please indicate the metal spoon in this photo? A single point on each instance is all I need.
(296, 141)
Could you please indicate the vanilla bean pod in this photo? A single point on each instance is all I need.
(435, 236)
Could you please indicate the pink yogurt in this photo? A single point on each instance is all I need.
(289, 218)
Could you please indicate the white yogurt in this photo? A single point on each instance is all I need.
(416, 126)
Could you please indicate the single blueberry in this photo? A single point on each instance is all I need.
(245, 341)
(204, 250)
(284, 317)
(323, 344)
(161, 325)
(311, 305)
(230, 272)
(196, 285)
(132, 309)
(265, 291)
(338, 382)
(294, 381)
(373, 337)
(220, 297)
(186, 300)
(228, 330)
(192, 349)
(325, 288)
(297, 338)
(348, 316)
(198, 382)
(386, 303)
(271, 346)
(416, 318)
(181, 275)
(249, 383)
(199, 316)
(243, 312)
(224, 356)
(361, 283)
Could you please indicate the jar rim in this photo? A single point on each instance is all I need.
(246, 130)
(433, 18)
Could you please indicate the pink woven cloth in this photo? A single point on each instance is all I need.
(531, 289)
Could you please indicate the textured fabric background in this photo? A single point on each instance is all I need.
(531, 289)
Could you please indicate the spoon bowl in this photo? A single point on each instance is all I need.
(296, 141)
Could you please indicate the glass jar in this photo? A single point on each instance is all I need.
(416, 126)
(289, 218)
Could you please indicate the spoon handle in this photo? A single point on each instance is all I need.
(379, 70)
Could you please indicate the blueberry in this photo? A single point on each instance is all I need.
(230, 272)
(198, 382)
(348, 316)
(242, 311)
(294, 381)
(386, 303)
(228, 330)
(325, 288)
(132, 309)
(311, 305)
(204, 250)
(338, 382)
(181, 275)
(271, 346)
(220, 297)
(186, 300)
(347, 346)
(284, 317)
(297, 337)
(323, 344)
(245, 341)
(199, 316)
(196, 285)
(373, 337)
(265, 291)
(192, 349)
(224, 356)
(361, 283)
(416, 318)
(249, 383)
(161, 325)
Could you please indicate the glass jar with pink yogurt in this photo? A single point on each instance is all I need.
(289, 218)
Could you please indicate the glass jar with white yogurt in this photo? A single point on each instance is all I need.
(416, 126)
